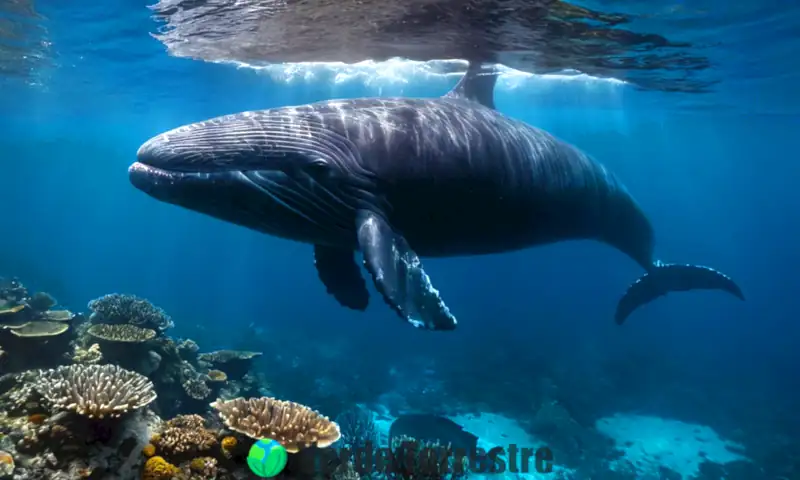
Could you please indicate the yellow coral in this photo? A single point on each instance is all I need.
(155, 438)
(229, 443)
(149, 450)
(156, 468)
(198, 464)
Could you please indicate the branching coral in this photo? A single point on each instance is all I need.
(196, 388)
(294, 425)
(358, 428)
(95, 391)
(206, 467)
(184, 435)
(88, 356)
(123, 308)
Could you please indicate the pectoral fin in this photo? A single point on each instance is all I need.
(339, 272)
(399, 276)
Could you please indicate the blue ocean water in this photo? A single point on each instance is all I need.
(715, 172)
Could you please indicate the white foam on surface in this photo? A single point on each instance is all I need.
(401, 71)
(649, 442)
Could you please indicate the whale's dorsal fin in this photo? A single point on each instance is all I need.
(477, 84)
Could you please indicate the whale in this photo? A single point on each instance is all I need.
(392, 181)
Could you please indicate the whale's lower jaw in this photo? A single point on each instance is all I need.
(268, 202)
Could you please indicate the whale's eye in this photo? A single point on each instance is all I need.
(317, 167)
(317, 164)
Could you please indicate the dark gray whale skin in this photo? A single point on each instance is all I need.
(398, 179)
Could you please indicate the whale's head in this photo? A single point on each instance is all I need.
(283, 172)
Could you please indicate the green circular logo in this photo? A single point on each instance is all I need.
(267, 458)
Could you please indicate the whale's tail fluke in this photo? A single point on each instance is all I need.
(671, 277)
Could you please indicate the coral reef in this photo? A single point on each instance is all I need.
(124, 333)
(357, 427)
(156, 468)
(96, 391)
(294, 425)
(185, 436)
(88, 356)
(236, 364)
(123, 308)
(80, 397)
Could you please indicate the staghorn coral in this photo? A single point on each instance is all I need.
(121, 333)
(87, 356)
(184, 435)
(196, 388)
(95, 391)
(123, 308)
(156, 468)
(294, 425)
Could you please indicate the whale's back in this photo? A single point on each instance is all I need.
(463, 179)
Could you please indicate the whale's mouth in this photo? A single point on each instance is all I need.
(159, 182)
(139, 169)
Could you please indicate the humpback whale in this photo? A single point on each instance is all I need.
(400, 179)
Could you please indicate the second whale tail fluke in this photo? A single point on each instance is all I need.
(672, 277)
